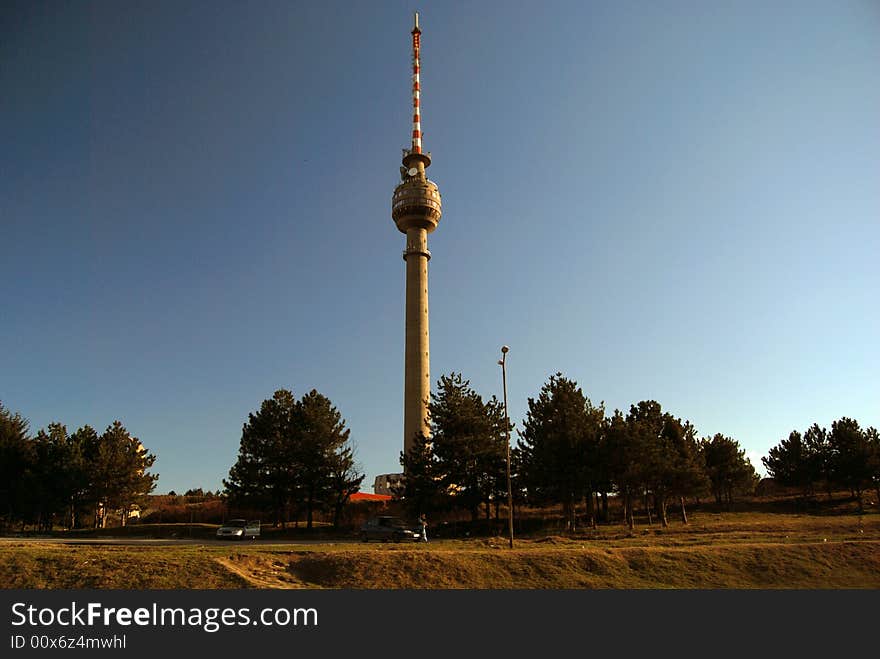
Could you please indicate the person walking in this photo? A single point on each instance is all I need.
(424, 524)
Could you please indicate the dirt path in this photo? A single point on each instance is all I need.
(260, 575)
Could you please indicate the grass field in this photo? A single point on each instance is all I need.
(716, 550)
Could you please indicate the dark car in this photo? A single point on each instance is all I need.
(388, 529)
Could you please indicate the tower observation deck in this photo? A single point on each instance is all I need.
(416, 210)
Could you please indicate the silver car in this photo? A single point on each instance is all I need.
(240, 529)
(388, 529)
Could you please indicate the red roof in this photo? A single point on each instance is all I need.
(365, 496)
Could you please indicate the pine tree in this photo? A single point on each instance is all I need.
(83, 497)
(792, 463)
(117, 472)
(559, 446)
(321, 450)
(469, 442)
(818, 455)
(58, 475)
(653, 466)
(687, 470)
(294, 454)
(851, 451)
(624, 460)
(17, 461)
(265, 474)
(728, 468)
(421, 490)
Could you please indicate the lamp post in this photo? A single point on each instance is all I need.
(502, 362)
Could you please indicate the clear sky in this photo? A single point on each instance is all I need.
(675, 201)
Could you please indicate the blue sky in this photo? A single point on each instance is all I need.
(666, 200)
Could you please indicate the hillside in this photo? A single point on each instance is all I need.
(716, 550)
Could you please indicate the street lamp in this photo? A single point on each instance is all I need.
(502, 362)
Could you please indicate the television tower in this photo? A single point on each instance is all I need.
(415, 208)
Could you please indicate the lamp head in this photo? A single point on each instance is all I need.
(504, 349)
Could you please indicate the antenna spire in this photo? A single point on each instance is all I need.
(417, 119)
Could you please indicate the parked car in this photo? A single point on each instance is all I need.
(388, 529)
(240, 529)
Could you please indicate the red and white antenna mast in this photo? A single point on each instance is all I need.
(417, 120)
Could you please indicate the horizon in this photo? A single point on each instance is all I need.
(671, 202)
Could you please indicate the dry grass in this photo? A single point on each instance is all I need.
(726, 550)
(63, 566)
(834, 565)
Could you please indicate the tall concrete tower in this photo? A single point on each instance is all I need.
(415, 208)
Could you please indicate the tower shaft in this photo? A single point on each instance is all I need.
(417, 358)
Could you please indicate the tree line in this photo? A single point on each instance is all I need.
(71, 479)
(294, 458)
(568, 453)
(847, 456)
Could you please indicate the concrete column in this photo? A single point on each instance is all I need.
(417, 362)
